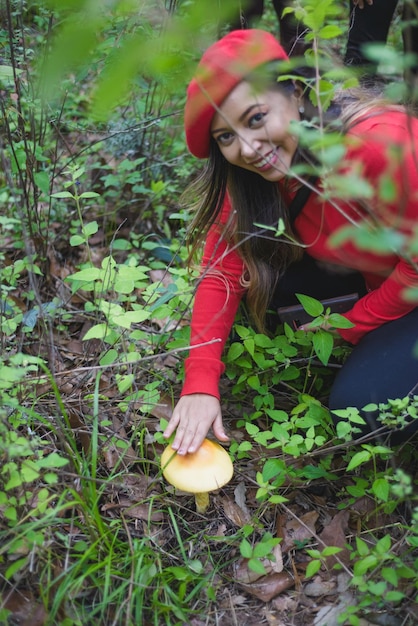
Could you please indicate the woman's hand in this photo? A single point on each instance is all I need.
(314, 327)
(192, 417)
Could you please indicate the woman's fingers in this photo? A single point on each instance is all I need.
(218, 429)
(192, 418)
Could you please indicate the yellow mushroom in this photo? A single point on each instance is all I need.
(207, 469)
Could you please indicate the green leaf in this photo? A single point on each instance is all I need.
(249, 345)
(256, 566)
(90, 229)
(53, 460)
(253, 382)
(383, 545)
(89, 194)
(252, 429)
(29, 471)
(246, 549)
(15, 480)
(109, 357)
(394, 596)
(42, 181)
(262, 341)
(312, 568)
(339, 321)
(124, 382)
(87, 275)
(15, 567)
(330, 32)
(235, 351)
(380, 489)
(98, 331)
(387, 189)
(331, 550)
(323, 343)
(362, 547)
(50, 478)
(390, 575)
(77, 240)
(364, 565)
(312, 306)
(360, 457)
(62, 194)
(130, 317)
(6, 71)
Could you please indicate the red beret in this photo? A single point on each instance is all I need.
(224, 64)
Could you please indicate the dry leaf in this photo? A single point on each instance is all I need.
(269, 586)
(239, 493)
(277, 564)
(140, 511)
(319, 587)
(234, 512)
(285, 603)
(113, 453)
(25, 609)
(134, 485)
(163, 409)
(161, 276)
(244, 574)
(221, 531)
(80, 428)
(299, 530)
(334, 535)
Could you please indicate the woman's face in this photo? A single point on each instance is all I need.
(252, 130)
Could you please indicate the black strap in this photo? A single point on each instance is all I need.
(301, 198)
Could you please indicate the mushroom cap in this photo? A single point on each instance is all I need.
(207, 469)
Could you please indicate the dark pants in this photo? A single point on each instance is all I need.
(291, 31)
(371, 25)
(381, 367)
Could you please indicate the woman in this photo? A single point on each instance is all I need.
(245, 126)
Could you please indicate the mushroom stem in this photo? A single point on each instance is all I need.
(202, 501)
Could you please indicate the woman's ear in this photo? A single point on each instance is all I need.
(299, 91)
(298, 94)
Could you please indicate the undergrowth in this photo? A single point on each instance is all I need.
(95, 303)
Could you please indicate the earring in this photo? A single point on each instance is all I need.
(301, 109)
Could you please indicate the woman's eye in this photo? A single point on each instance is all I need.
(257, 119)
(224, 139)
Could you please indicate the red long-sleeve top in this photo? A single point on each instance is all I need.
(382, 149)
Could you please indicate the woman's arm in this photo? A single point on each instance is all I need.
(217, 299)
(383, 304)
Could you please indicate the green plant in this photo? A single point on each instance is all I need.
(95, 307)
(255, 553)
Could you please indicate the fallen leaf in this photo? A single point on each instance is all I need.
(334, 535)
(161, 276)
(25, 609)
(319, 587)
(299, 530)
(78, 425)
(244, 574)
(114, 453)
(240, 498)
(141, 511)
(163, 409)
(285, 603)
(269, 586)
(234, 512)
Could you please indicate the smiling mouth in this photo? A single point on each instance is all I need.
(267, 160)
